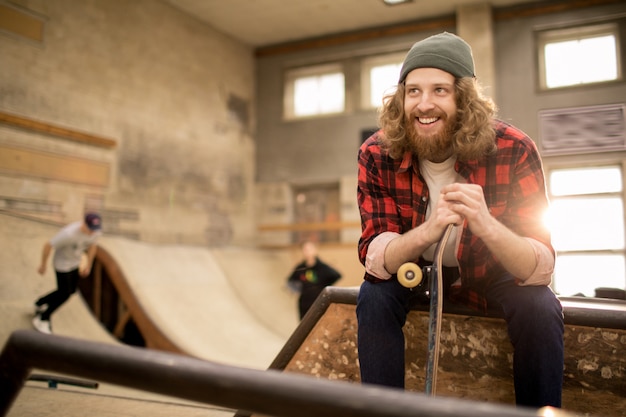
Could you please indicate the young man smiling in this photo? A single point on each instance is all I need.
(441, 157)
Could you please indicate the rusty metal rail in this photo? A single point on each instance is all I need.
(267, 392)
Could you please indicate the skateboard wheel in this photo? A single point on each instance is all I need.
(409, 275)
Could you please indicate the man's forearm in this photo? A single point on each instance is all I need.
(406, 248)
(515, 253)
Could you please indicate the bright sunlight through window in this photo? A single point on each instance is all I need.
(313, 91)
(383, 80)
(379, 78)
(319, 95)
(586, 218)
(580, 61)
(579, 56)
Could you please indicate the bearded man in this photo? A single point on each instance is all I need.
(441, 157)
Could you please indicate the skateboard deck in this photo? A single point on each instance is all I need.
(410, 275)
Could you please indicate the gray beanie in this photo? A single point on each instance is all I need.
(444, 51)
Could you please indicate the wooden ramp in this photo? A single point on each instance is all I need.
(476, 355)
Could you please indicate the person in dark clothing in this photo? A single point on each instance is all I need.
(310, 277)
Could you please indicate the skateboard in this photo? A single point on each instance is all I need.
(410, 275)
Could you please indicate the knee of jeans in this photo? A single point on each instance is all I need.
(374, 294)
(545, 302)
(539, 306)
(364, 298)
(380, 301)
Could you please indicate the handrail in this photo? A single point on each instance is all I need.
(267, 392)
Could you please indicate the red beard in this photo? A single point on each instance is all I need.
(436, 147)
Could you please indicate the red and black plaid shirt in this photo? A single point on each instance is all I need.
(393, 197)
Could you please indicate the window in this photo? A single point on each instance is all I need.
(576, 56)
(316, 206)
(586, 218)
(314, 91)
(379, 78)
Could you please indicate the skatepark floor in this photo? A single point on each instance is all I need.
(36, 399)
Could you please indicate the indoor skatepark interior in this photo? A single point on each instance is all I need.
(230, 305)
(175, 120)
(476, 353)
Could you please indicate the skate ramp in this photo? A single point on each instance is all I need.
(183, 290)
(186, 294)
(258, 278)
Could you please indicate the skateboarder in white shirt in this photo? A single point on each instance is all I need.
(69, 245)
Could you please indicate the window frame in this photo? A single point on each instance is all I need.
(315, 204)
(621, 165)
(292, 75)
(367, 64)
(546, 37)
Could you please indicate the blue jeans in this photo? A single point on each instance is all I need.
(534, 318)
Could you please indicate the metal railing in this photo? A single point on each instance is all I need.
(270, 392)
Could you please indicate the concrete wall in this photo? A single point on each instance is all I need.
(180, 102)
(518, 98)
(175, 97)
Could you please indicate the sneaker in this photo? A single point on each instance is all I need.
(42, 325)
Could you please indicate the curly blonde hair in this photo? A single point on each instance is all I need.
(473, 133)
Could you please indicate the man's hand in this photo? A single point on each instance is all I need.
(443, 215)
(468, 202)
(514, 252)
(41, 269)
(412, 244)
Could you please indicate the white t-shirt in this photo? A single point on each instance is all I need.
(437, 175)
(69, 245)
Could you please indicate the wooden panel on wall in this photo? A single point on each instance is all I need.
(20, 23)
(27, 162)
(55, 130)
